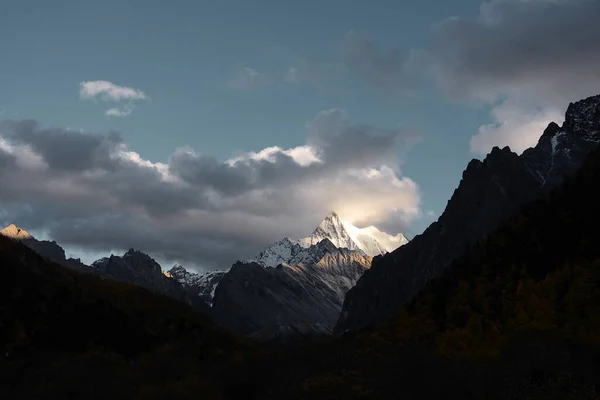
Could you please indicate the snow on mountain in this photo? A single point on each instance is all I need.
(304, 298)
(369, 241)
(334, 229)
(203, 285)
(281, 252)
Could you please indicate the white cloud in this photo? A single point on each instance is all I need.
(119, 112)
(515, 125)
(109, 92)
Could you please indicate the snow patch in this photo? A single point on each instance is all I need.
(554, 141)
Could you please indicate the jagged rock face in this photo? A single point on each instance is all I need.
(202, 285)
(140, 269)
(49, 250)
(275, 302)
(489, 193)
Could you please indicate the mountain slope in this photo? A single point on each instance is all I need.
(303, 298)
(489, 192)
(526, 276)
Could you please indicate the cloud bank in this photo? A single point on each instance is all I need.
(92, 191)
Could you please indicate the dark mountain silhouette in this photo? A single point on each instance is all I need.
(489, 192)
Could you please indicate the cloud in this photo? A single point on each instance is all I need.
(526, 58)
(91, 190)
(119, 112)
(515, 124)
(109, 92)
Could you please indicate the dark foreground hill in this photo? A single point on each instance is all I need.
(516, 317)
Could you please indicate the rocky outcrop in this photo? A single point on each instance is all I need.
(489, 193)
(202, 285)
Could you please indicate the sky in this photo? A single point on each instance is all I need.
(201, 131)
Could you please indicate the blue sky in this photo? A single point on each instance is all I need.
(216, 77)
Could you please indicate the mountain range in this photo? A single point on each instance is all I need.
(290, 287)
(304, 285)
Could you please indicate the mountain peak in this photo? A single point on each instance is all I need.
(367, 241)
(332, 215)
(177, 268)
(14, 232)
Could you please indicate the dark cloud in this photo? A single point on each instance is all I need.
(90, 190)
(61, 148)
(551, 45)
(6, 159)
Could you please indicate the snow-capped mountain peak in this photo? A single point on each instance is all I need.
(334, 229)
(368, 241)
